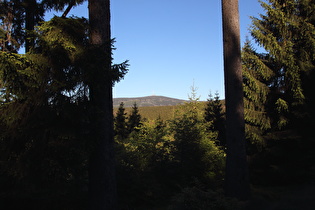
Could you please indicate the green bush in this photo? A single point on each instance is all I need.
(196, 198)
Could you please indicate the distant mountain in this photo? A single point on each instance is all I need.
(148, 101)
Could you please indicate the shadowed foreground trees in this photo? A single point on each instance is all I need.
(279, 91)
(55, 106)
(284, 75)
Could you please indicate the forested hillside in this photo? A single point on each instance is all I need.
(64, 146)
(154, 112)
(148, 101)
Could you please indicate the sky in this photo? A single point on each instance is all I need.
(171, 45)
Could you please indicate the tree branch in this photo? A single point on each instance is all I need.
(65, 13)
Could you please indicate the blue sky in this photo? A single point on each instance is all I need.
(171, 45)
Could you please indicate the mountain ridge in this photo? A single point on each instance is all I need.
(148, 101)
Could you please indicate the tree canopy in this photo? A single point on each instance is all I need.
(278, 82)
(45, 100)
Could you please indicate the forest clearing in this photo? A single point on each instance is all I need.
(64, 146)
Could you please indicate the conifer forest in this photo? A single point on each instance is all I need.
(63, 146)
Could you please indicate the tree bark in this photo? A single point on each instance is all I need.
(237, 178)
(30, 7)
(102, 182)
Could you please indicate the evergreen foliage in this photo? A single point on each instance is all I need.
(286, 32)
(279, 98)
(278, 82)
(19, 18)
(43, 111)
(121, 130)
(257, 77)
(195, 148)
(45, 107)
(134, 119)
(214, 113)
(166, 156)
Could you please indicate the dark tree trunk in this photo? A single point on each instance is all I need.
(30, 9)
(237, 178)
(102, 182)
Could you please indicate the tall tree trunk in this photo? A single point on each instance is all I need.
(102, 182)
(30, 7)
(237, 178)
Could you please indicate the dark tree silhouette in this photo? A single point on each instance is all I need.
(121, 131)
(102, 181)
(237, 178)
(134, 119)
(215, 115)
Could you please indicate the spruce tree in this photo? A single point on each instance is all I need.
(257, 78)
(20, 17)
(134, 119)
(42, 98)
(120, 121)
(286, 32)
(42, 109)
(195, 151)
(11, 26)
(47, 97)
(215, 116)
